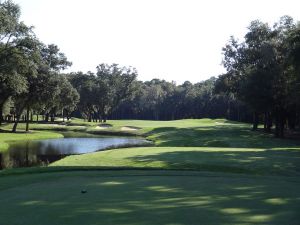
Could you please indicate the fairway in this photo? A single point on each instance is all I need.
(149, 197)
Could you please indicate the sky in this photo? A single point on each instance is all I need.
(175, 40)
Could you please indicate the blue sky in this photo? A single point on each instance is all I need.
(168, 39)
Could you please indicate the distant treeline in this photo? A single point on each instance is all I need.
(114, 93)
(262, 83)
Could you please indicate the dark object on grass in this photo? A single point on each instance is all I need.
(83, 191)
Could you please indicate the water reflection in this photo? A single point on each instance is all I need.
(43, 152)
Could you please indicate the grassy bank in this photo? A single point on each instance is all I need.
(6, 137)
(281, 161)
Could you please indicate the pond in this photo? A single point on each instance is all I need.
(43, 152)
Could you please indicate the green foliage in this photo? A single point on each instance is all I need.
(261, 72)
(14, 60)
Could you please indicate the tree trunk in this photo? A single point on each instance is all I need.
(99, 116)
(282, 125)
(27, 119)
(292, 120)
(63, 116)
(52, 117)
(238, 113)
(37, 118)
(1, 110)
(1, 115)
(269, 122)
(265, 121)
(228, 110)
(90, 117)
(255, 121)
(17, 119)
(279, 124)
(47, 117)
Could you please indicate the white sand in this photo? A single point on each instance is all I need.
(100, 127)
(128, 129)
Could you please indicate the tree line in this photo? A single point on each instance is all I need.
(263, 72)
(261, 84)
(113, 94)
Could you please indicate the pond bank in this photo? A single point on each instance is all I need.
(27, 153)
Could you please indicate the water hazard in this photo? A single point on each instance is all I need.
(43, 152)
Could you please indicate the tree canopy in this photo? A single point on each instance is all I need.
(261, 83)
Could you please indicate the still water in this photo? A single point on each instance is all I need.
(43, 152)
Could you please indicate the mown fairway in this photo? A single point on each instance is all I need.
(200, 172)
(149, 197)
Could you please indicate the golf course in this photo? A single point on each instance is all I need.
(197, 171)
(149, 112)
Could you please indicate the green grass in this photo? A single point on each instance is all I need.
(6, 137)
(148, 197)
(233, 160)
(199, 172)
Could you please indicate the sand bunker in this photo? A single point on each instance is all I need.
(130, 128)
(56, 125)
(220, 123)
(61, 119)
(103, 126)
(100, 128)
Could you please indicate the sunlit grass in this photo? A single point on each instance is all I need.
(6, 137)
(232, 160)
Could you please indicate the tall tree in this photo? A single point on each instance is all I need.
(14, 58)
(115, 84)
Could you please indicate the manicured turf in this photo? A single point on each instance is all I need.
(149, 197)
(199, 172)
(233, 160)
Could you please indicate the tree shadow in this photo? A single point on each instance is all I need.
(17, 132)
(271, 162)
(217, 136)
(146, 198)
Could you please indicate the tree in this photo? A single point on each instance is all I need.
(14, 58)
(115, 84)
(44, 84)
(259, 74)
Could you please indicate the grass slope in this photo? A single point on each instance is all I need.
(233, 160)
(6, 137)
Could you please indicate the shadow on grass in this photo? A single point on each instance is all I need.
(260, 162)
(271, 162)
(144, 198)
(17, 132)
(218, 136)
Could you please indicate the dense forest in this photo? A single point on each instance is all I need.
(261, 85)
